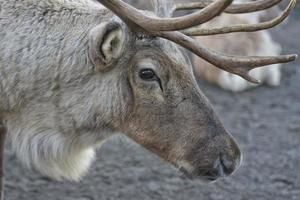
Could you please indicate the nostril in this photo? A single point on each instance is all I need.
(227, 165)
(211, 173)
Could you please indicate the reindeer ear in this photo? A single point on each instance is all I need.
(106, 44)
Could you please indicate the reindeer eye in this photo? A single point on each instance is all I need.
(147, 74)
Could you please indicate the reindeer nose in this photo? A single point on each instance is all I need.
(225, 164)
(220, 161)
(229, 162)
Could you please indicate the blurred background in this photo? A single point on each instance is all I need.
(265, 122)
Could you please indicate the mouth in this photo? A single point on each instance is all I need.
(206, 177)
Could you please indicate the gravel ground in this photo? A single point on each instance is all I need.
(265, 122)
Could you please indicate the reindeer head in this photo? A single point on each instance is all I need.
(166, 111)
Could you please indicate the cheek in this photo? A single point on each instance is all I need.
(147, 96)
(127, 98)
(151, 139)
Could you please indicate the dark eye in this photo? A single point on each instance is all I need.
(147, 74)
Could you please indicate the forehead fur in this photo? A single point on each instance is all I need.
(166, 48)
(175, 53)
(163, 8)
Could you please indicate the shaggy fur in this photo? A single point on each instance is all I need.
(50, 102)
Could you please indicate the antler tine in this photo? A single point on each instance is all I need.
(232, 9)
(198, 31)
(240, 65)
(137, 20)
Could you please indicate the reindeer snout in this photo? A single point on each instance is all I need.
(216, 160)
(222, 167)
(226, 163)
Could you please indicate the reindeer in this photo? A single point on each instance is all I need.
(73, 73)
(260, 43)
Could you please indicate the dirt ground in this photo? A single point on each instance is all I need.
(265, 122)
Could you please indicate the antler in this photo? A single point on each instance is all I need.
(169, 28)
(132, 16)
(232, 9)
(198, 31)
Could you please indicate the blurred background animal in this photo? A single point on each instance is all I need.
(252, 43)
